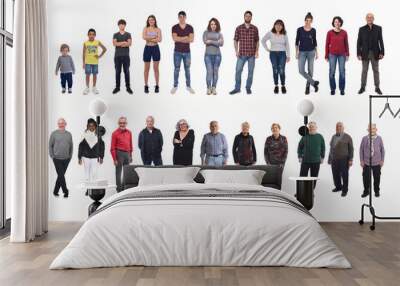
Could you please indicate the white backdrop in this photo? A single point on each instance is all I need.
(70, 20)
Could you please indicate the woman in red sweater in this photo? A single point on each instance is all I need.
(337, 51)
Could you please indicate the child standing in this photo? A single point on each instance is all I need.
(91, 59)
(66, 66)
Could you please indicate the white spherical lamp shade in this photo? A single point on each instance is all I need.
(305, 107)
(97, 107)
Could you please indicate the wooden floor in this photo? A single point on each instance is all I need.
(375, 257)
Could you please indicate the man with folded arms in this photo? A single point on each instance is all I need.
(214, 147)
(341, 158)
(121, 149)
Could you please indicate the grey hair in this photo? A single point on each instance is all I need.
(61, 118)
(123, 117)
(150, 117)
(179, 123)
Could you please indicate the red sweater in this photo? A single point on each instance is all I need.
(337, 44)
(121, 140)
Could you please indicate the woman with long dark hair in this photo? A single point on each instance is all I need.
(152, 35)
(213, 40)
(279, 52)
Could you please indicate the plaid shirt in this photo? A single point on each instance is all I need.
(248, 39)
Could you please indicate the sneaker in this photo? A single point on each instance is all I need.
(116, 90)
(378, 91)
(248, 90)
(307, 90)
(63, 90)
(377, 194)
(146, 89)
(344, 193)
(276, 89)
(316, 84)
(55, 193)
(333, 92)
(365, 194)
(342, 92)
(232, 92)
(336, 190)
(86, 91)
(283, 89)
(174, 89)
(156, 89)
(208, 91)
(190, 90)
(129, 90)
(69, 90)
(214, 90)
(66, 194)
(362, 90)
(95, 90)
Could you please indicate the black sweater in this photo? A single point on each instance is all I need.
(87, 152)
(244, 150)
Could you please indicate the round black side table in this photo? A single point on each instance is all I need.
(305, 190)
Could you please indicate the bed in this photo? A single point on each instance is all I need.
(201, 224)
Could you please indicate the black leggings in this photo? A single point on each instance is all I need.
(61, 168)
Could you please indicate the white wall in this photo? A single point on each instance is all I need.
(70, 20)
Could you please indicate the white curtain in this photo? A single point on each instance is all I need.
(28, 157)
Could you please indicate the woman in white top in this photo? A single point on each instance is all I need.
(152, 35)
(279, 52)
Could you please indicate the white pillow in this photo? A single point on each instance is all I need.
(166, 176)
(248, 177)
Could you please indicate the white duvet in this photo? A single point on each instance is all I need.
(200, 231)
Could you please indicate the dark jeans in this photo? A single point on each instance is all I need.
(61, 167)
(376, 171)
(148, 160)
(375, 69)
(66, 78)
(122, 62)
(123, 159)
(313, 167)
(340, 172)
(278, 60)
(333, 60)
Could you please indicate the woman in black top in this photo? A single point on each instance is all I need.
(244, 149)
(91, 151)
(183, 144)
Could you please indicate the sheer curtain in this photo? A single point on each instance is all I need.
(28, 115)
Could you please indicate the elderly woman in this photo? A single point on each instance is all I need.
(183, 144)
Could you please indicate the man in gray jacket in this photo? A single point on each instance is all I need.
(341, 158)
(60, 150)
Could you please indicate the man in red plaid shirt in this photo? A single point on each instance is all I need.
(246, 46)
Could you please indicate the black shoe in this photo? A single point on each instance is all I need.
(307, 90)
(342, 92)
(116, 90)
(276, 89)
(66, 194)
(69, 90)
(248, 90)
(377, 194)
(146, 89)
(316, 84)
(333, 92)
(365, 194)
(234, 91)
(362, 90)
(156, 89)
(129, 90)
(55, 193)
(283, 89)
(336, 190)
(378, 91)
(344, 193)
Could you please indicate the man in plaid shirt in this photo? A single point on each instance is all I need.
(246, 46)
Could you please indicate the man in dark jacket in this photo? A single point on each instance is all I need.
(244, 149)
(370, 49)
(150, 143)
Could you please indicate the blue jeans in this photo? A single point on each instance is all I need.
(333, 59)
(278, 60)
(212, 63)
(307, 56)
(66, 78)
(251, 60)
(178, 58)
(215, 161)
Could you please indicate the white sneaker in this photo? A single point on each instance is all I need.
(191, 90)
(208, 91)
(95, 90)
(86, 91)
(214, 91)
(174, 89)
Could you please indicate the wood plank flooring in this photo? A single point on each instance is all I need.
(375, 257)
